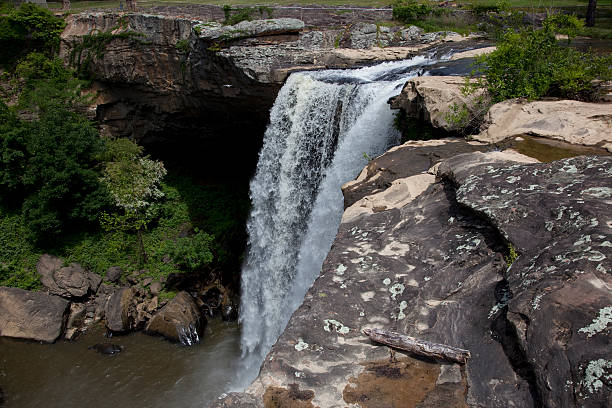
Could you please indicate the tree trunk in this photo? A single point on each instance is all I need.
(142, 255)
(420, 347)
(590, 14)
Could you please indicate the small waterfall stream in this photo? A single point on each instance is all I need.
(323, 127)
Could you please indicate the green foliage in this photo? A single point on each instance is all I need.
(28, 28)
(531, 64)
(133, 183)
(488, 6)
(18, 256)
(182, 46)
(512, 255)
(409, 11)
(234, 15)
(458, 115)
(50, 171)
(192, 253)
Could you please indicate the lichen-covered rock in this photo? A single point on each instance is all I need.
(440, 100)
(67, 281)
(571, 121)
(179, 320)
(559, 291)
(31, 315)
(435, 269)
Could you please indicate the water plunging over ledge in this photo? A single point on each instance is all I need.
(324, 126)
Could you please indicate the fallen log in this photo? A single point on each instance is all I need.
(420, 347)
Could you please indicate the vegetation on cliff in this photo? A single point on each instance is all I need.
(97, 201)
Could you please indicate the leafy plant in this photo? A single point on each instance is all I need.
(532, 64)
(512, 255)
(192, 253)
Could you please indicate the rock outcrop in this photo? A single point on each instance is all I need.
(571, 121)
(179, 320)
(440, 101)
(31, 315)
(70, 281)
(435, 266)
(120, 310)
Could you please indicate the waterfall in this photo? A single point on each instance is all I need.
(323, 127)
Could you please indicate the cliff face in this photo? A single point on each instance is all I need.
(163, 79)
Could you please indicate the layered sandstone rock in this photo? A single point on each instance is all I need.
(442, 102)
(571, 121)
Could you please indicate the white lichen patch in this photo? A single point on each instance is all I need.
(396, 289)
(386, 281)
(413, 282)
(403, 305)
(583, 239)
(549, 225)
(473, 244)
(298, 374)
(598, 192)
(594, 373)
(513, 179)
(301, 345)
(340, 269)
(535, 303)
(336, 325)
(367, 296)
(600, 323)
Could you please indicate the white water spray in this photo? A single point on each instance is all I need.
(323, 127)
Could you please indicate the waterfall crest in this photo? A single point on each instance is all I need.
(323, 127)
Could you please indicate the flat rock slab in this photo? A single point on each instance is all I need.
(179, 320)
(244, 29)
(571, 121)
(31, 315)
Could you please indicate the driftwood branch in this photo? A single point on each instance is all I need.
(420, 347)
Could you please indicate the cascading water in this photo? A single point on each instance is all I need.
(323, 127)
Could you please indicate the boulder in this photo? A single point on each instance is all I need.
(473, 53)
(571, 121)
(31, 315)
(440, 101)
(179, 320)
(119, 310)
(155, 288)
(113, 274)
(70, 281)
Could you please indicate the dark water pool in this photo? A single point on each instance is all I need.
(150, 372)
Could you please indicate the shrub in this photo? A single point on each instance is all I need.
(50, 170)
(532, 64)
(409, 11)
(192, 253)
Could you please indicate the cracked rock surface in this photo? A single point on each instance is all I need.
(434, 269)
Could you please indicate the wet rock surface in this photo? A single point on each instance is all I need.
(179, 320)
(31, 315)
(437, 269)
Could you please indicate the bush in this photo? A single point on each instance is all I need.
(409, 11)
(532, 64)
(192, 253)
(50, 171)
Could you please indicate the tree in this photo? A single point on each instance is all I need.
(49, 170)
(133, 182)
(590, 14)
